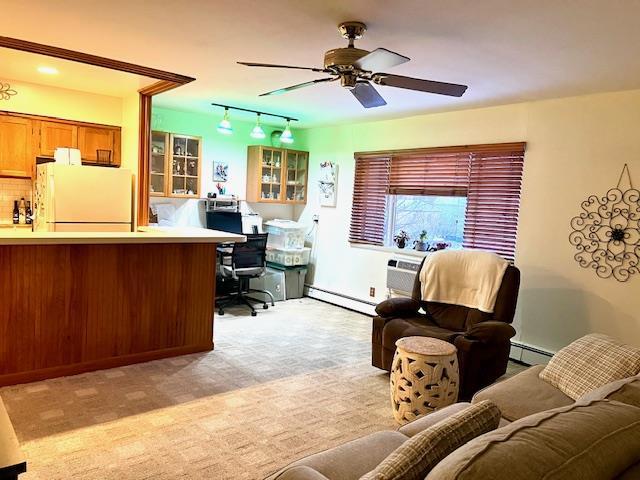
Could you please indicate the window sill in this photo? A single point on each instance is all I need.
(409, 252)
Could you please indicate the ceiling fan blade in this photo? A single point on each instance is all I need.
(269, 65)
(296, 87)
(380, 59)
(430, 86)
(367, 95)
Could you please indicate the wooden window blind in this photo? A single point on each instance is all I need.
(369, 200)
(490, 176)
(429, 174)
(493, 201)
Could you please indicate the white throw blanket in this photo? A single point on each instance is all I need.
(463, 277)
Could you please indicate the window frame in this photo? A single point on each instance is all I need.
(501, 194)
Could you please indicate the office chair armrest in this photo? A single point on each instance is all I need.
(491, 332)
(398, 307)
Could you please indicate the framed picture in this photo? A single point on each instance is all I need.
(220, 171)
(328, 184)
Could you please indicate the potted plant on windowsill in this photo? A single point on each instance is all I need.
(421, 244)
(401, 239)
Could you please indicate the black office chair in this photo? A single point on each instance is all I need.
(247, 260)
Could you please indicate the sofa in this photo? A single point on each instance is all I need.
(482, 339)
(542, 433)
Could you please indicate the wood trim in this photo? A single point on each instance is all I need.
(86, 58)
(144, 159)
(76, 368)
(485, 147)
(158, 87)
(58, 120)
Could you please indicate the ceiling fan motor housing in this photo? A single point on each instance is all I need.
(342, 59)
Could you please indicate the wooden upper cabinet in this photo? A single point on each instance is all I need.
(16, 154)
(92, 139)
(23, 137)
(276, 175)
(54, 135)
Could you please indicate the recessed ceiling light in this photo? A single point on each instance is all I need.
(48, 70)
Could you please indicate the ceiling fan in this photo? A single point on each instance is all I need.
(355, 69)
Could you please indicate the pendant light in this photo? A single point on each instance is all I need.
(257, 131)
(287, 136)
(224, 127)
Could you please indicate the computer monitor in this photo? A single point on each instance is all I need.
(225, 221)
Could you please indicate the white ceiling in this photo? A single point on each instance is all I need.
(505, 50)
(23, 66)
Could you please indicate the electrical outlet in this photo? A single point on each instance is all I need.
(372, 291)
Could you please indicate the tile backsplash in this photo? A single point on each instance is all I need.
(12, 189)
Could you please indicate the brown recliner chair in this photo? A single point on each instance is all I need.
(482, 339)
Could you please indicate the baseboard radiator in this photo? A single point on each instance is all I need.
(520, 351)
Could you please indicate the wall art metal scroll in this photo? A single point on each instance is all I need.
(606, 233)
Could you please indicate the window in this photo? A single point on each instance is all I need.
(467, 196)
(441, 216)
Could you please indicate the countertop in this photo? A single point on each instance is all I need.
(143, 235)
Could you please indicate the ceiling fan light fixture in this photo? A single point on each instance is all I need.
(257, 131)
(224, 127)
(287, 136)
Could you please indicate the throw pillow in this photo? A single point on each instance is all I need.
(417, 456)
(589, 363)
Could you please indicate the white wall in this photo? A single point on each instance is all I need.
(56, 102)
(575, 147)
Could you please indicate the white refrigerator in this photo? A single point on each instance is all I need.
(73, 198)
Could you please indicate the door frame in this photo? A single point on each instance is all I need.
(166, 81)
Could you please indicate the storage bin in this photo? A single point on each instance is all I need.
(285, 234)
(289, 257)
(272, 281)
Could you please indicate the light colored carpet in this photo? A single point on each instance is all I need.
(294, 380)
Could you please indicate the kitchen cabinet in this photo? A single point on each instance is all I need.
(92, 139)
(176, 163)
(54, 135)
(16, 141)
(277, 175)
(24, 137)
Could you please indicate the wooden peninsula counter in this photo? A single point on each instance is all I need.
(74, 302)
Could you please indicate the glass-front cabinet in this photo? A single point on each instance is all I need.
(276, 175)
(157, 173)
(271, 180)
(176, 162)
(185, 166)
(296, 176)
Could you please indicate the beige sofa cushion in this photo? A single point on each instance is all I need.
(523, 394)
(349, 460)
(626, 391)
(417, 456)
(592, 441)
(591, 362)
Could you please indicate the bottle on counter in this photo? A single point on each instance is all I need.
(22, 212)
(16, 213)
(28, 214)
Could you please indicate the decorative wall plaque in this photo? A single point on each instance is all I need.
(6, 92)
(606, 233)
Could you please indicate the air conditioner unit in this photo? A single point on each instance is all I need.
(400, 276)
